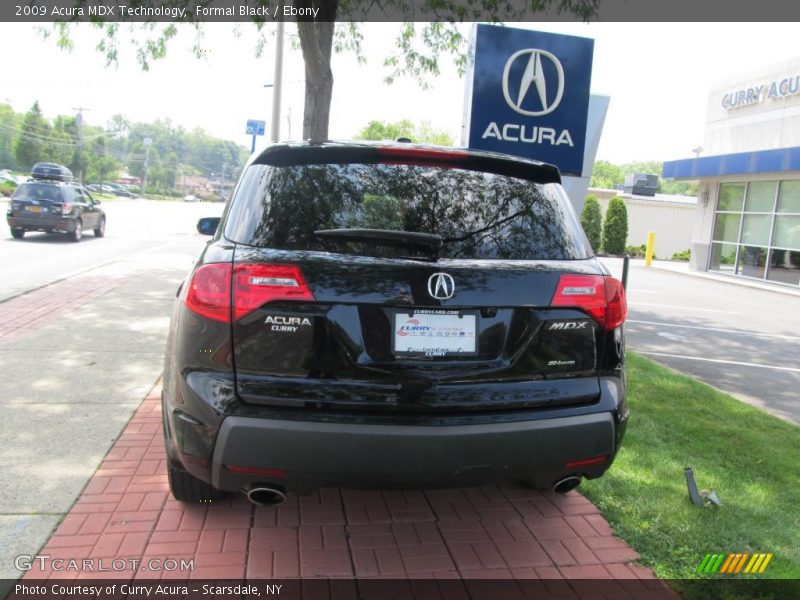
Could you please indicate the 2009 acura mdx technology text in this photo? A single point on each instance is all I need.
(393, 315)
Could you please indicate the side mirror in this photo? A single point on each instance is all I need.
(208, 225)
(97, 201)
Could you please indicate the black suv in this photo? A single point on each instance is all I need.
(50, 201)
(393, 315)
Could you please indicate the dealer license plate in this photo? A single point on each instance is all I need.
(435, 333)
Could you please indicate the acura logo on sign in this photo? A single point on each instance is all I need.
(441, 286)
(534, 75)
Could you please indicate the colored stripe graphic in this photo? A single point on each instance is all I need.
(734, 563)
(765, 563)
(706, 560)
(727, 564)
(753, 561)
(741, 563)
(716, 565)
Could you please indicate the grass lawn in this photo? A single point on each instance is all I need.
(751, 459)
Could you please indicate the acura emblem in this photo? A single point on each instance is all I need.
(441, 286)
(534, 74)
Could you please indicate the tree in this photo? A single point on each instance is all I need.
(9, 124)
(334, 28)
(606, 175)
(102, 167)
(424, 133)
(615, 227)
(31, 144)
(591, 220)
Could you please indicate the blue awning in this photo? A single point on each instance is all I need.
(742, 163)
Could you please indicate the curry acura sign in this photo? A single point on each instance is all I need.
(528, 95)
(755, 94)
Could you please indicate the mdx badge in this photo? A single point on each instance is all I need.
(567, 325)
(441, 286)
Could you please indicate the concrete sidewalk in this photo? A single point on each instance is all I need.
(78, 357)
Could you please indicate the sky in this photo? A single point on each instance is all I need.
(658, 76)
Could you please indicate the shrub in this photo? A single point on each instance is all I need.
(615, 227)
(592, 221)
(684, 255)
(637, 251)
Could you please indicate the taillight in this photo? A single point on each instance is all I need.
(66, 207)
(602, 298)
(255, 285)
(210, 295)
(209, 292)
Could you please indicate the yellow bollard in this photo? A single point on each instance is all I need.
(651, 242)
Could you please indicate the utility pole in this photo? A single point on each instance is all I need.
(277, 82)
(147, 143)
(79, 125)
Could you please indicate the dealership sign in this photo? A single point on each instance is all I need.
(528, 95)
(756, 94)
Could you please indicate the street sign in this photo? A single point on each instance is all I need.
(256, 127)
(528, 95)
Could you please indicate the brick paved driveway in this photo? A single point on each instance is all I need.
(506, 531)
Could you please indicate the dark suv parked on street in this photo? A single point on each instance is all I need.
(389, 315)
(50, 201)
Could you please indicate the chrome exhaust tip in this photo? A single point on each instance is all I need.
(562, 486)
(263, 495)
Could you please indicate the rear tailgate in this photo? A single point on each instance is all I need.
(498, 342)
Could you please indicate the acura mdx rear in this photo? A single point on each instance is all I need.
(384, 315)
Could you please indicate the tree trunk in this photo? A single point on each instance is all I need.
(316, 41)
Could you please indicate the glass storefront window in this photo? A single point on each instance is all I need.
(731, 197)
(755, 229)
(726, 227)
(789, 197)
(752, 261)
(784, 267)
(723, 257)
(761, 196)
(787, 232)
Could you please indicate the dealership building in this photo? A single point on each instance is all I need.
(747, 219)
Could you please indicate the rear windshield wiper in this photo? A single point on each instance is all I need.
(385, 237)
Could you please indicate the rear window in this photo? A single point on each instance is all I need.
(38, 191)
(479, 215)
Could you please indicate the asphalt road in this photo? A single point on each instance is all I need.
(743, 340)
(134, 227)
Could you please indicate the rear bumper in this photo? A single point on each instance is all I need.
(41, 223)
(316, 454)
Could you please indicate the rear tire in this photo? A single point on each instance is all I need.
(17, 234)
(188, 488)
(101, 228)
(76, 234)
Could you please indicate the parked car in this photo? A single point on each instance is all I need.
(119, 190)
(191, 198)
(393, 315)
(50, 201)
